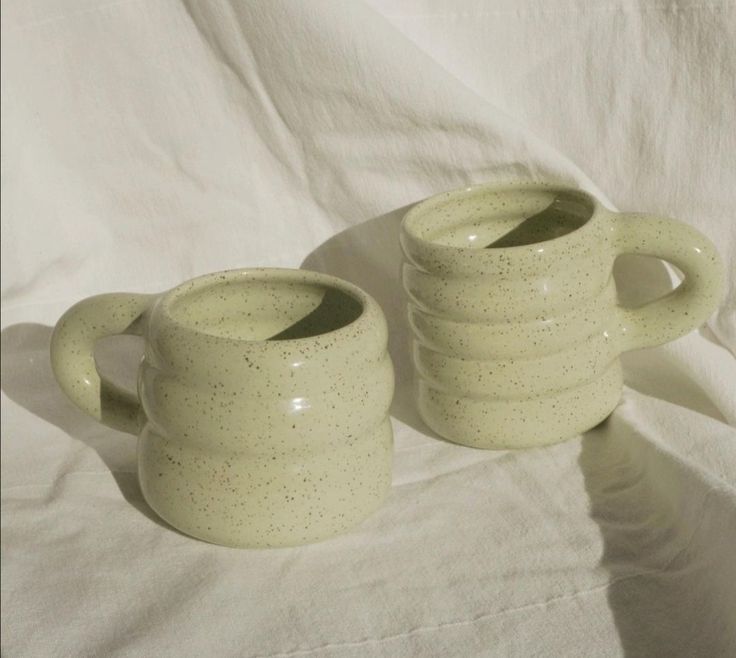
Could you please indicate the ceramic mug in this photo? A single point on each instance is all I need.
(514, 313)
(262, 403)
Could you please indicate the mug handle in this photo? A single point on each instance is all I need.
(687, 306)
(73, 362)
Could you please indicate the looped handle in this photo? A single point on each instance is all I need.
(692, 302)
(73, 361)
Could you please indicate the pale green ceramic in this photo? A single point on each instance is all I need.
(262, 402)
(517, 329)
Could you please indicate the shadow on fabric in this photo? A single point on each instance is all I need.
(667, 545)
(28, 380)
(369, 256)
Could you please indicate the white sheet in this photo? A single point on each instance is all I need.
(148, 142)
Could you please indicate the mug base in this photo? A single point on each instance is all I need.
(493, 424)
(260, 501)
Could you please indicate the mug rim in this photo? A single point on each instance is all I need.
(432, 202)
(273, 274)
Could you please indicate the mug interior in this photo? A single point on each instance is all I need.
(493, 218)
(268, 308)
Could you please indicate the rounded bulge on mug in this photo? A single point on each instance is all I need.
(251, 450)
(514, 362)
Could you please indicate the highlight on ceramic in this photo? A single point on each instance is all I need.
(262, 403)
(513, 307)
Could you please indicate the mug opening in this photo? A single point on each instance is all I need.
(491, 218)
(277, 305)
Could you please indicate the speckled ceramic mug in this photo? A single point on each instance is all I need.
(262, 403)
(517, 328)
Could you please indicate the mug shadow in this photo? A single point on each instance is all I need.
(650, 593)
(659, 581)
(27, 379)
(369, 255)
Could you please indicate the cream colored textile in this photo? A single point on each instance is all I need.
(148, 142)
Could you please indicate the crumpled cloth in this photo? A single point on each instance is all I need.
(144, 143)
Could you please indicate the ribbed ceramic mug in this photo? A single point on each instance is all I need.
(517, 329)
(262, 403)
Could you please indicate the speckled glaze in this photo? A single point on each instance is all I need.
(264, 396)
(513, 307)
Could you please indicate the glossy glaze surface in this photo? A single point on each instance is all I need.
(264, 402)
(517, 329)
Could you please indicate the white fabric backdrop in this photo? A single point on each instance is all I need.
(148, 142)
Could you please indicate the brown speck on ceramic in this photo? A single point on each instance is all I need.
(264, 397)
(513, 307)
